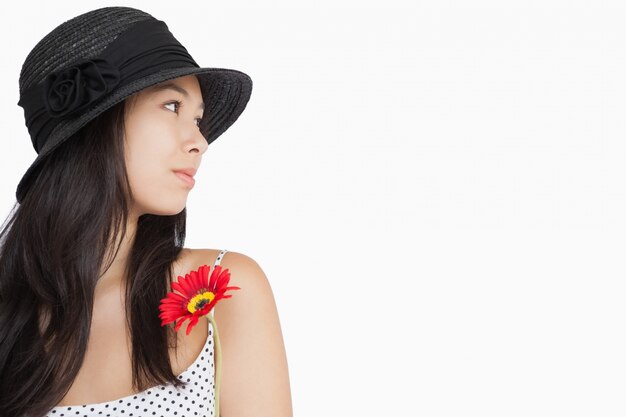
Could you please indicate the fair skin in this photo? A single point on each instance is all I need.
(161, 137)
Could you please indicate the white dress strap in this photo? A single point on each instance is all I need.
(217, 262)
(220, 256)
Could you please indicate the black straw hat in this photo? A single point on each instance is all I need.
(96, 60)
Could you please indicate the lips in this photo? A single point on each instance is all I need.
(188, 171)
(186, 178)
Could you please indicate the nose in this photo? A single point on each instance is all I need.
(195, 139)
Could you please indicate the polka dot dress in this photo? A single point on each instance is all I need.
(197, 398)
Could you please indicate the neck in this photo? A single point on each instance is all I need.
(113, 276)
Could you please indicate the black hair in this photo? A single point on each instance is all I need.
(52, 249)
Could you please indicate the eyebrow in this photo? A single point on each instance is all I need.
(172, 86)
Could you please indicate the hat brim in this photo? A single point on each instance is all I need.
(225, 92)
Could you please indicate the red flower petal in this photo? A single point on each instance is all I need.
(192, 323)
(194, 281)
(179, 323)
(205, 276)
(179, 287)
(189, 286)
(174, 306)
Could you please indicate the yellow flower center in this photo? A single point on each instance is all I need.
(199, 301)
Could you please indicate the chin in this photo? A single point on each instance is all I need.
(165, 207)
(169, 211)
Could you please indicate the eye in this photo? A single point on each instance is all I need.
(177, 104)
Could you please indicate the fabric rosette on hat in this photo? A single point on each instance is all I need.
(73, 89)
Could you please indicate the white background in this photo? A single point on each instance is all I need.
(435, 190)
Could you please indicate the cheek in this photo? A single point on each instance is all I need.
(155, 188)
(148, 156)
(151, 153)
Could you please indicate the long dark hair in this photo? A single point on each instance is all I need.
(52, 248)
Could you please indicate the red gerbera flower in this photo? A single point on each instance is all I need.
(197, 296)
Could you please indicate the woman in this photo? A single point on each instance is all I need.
(120, 116)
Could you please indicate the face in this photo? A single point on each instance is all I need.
(163, 136)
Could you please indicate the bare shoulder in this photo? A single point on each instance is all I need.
(254, 296)
(254, 359)
(245, 272)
